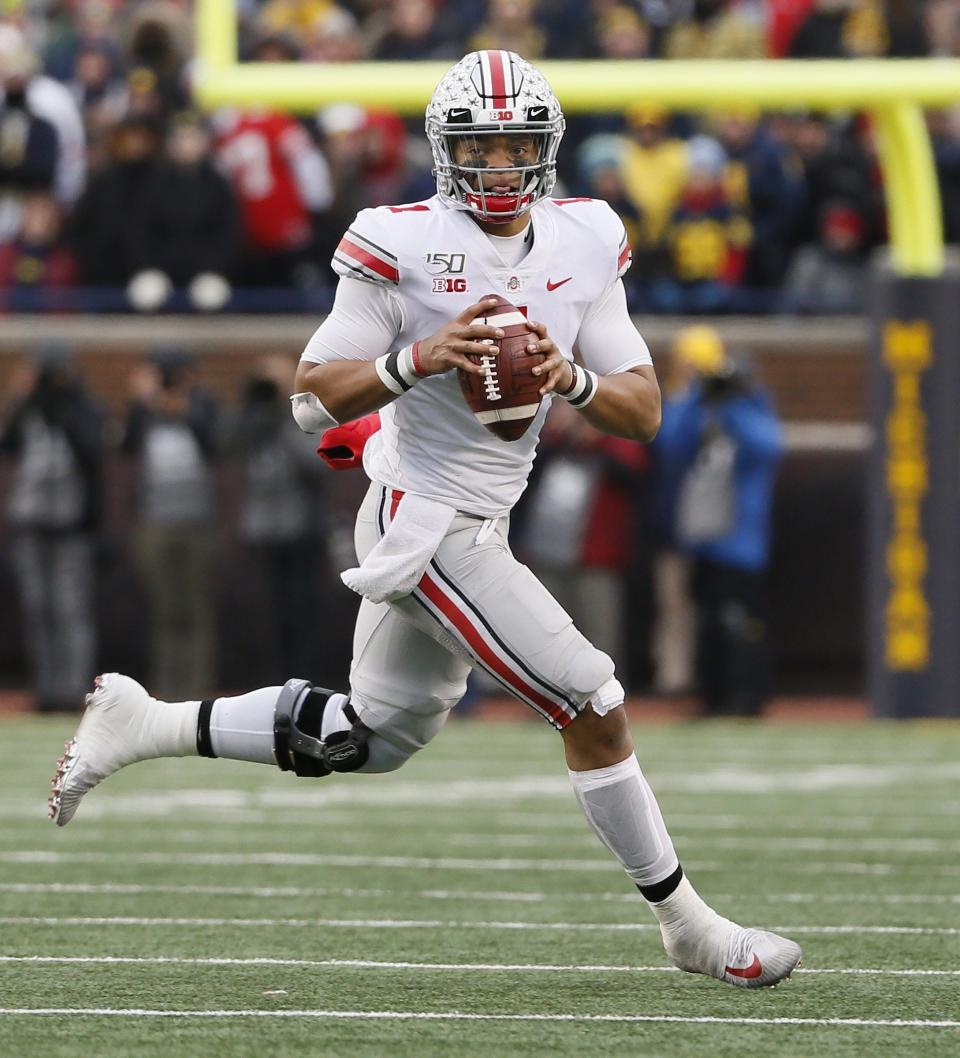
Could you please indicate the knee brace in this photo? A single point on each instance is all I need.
(305, 752)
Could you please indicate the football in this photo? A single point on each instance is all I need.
(507, 397)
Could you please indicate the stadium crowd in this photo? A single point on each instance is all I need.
(115, 193)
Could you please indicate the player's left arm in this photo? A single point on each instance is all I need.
(626, 400)
(627, 404)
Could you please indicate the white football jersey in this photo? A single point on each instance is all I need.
(437, 262)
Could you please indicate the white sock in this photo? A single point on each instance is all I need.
(694, 936)
(171, 730)
(625, 816)
(622, 810)
(333, 718)
(683, 909)
(241, 727)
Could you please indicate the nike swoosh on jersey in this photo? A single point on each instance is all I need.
(755, 969)
(553, 286)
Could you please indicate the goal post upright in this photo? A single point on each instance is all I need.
(915, 294)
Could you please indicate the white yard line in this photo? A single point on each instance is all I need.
(443, 793)
(456, 1015)
(707, 821)
(309, 859)
(709, 843)
(368, 964)
(849, 898)
(571, 838)
(805, 843)
(408, 923)
(799, 843)
(131, 809)
(473, 895)
(136, 889)
(302, 859)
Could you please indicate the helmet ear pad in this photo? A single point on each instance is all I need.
(493, 92)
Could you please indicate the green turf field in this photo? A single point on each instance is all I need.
(461, 907)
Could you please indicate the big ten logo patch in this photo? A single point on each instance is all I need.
(449, 264)
(449, 286)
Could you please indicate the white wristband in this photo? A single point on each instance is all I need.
(398, 371)
(584, 387)
(311, 416)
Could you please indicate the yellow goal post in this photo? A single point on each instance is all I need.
(894, 91)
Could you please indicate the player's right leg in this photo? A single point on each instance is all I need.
(479, 599)
(623, 812)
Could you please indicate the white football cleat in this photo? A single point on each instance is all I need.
(117, 728)
(746, 958)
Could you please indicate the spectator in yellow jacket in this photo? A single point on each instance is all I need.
(653, 170)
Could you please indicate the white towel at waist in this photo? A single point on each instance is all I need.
(393, 568)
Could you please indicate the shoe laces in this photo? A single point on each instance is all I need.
(742, 946)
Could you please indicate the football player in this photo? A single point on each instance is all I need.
(442, 590)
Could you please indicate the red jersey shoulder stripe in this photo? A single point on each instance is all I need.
(373, 247)
(357, 253)
(626, 257)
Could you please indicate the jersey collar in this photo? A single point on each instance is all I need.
(483, 254)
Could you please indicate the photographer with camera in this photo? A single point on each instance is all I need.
(52, 440)
(171, 439)
(717, 452)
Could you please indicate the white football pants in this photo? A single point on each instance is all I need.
(476, 606)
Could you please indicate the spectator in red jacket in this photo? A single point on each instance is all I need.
(281, 181)
(783, 19)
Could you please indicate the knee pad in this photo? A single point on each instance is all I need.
(589, 669)
(405, 723)
(607, 697)
(299, 743)
(590, 673)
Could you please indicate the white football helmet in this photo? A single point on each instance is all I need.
(487, 93)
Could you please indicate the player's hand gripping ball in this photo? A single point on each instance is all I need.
(506, 397)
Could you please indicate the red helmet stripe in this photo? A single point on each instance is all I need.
(498, 79)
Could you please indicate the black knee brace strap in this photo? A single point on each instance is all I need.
(306, 753)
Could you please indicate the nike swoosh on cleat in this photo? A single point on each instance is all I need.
(753, 970)
(553, 286)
